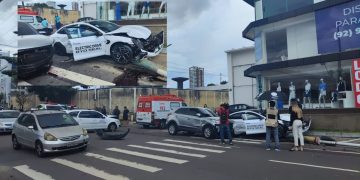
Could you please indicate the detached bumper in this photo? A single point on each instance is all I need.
(59, 145)
(154, 44)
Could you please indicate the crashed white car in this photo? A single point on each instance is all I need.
(125, 44)
(249, 122)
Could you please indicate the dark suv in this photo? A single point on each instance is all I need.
(35, 51)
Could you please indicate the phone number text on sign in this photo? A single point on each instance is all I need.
(346, 33)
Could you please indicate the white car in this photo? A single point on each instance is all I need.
(95, 38)
(7, 120)
(249, 122)
(50, 107)
(91, 119)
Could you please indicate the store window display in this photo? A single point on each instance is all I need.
(307, 95)
(341, 85)
(322, 93)
(292, 91)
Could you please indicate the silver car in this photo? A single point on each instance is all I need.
(193, 120)
(48, 131)
(7, 119)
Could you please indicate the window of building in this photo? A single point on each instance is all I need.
(275, 7)
(276, 46)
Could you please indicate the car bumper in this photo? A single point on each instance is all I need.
(5, 129)
(59, 146)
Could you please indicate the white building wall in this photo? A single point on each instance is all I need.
(242, 89)
(88, 9)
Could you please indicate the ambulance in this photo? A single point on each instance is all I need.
(154, 110)
(31, 17)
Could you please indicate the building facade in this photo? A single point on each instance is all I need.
(196, 77)
(307, 48)
(242, 89)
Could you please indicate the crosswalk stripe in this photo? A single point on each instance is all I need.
(149, 156)
(32, 173)
(193, 143)
(89, 170)
(248, 142)
(169, 151)
(186, 147)
(125, 162)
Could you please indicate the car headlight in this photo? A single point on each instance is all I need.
(49, 137)
(138, 43)
(85, 133)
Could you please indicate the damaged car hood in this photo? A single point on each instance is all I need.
(140, 32)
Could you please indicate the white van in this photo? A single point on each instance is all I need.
(32, 18)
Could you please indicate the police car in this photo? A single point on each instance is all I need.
(250, 122)
(125, 44)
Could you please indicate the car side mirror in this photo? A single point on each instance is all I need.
(42, 32)
(103, 117)
(98, 34)
(198, 114)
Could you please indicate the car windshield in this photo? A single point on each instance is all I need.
(212, 113)
(25, 29)
(12, 114)
(205, 113)
(104, 26)
(56, 120)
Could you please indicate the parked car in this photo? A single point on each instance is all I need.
(35, 51)
(33, 19)
(48, 131)
(154, 110)
(125, 44)
(50, 107)
(7, 119)
(91, 119)
(193, 120)
(240, 107)
(250, 122)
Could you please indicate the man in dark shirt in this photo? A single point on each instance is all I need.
(126, 115)
(116, 112)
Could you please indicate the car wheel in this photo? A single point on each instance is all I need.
(39, 149)
(112, 127)
(15, 143)
(121, 54)
(282, 131)
(60, 49)
(172, 129)
(208, 132)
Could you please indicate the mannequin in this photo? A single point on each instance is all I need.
(292, 90)
(278, 89)
(131, 8)
(322, 92)
(163, 4)
(307, 93)
(341, 85)
(146, 5)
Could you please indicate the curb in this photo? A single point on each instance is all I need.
(334, 134)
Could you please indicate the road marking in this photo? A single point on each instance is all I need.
(32, 173)
(316, 166)
(169, 151)
(248, 142)
(89, 170)
(79, 78)
(185, 147)
(351, 140)
(344, 152)
(149, 156)
(193, 143)
(125, 163)
(254, 140)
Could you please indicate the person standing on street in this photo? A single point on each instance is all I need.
(224, 122)
(126, 115)
(116, 112)
(57, 21)
(296, 120)
(272, 116)
(103, 110)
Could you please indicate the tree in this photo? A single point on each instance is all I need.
(211, 84)
(223, 82)
(58, 94)
(22, 97)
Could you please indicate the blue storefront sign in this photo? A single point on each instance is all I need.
(338, 28)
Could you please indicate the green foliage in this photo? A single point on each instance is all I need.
(57, 94)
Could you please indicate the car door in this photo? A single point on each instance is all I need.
(254, 123)
(237, 119)
(99, 120)
(19, 127)
(29, 133)
(181, 115)
(86, 42)
(196, 118)
(84, 119)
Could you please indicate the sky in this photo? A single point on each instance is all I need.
(200, 32)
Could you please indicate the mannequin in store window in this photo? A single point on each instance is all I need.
(322, 92)
(292, 92)
(146, 5)
(278, 89)
(307, 94)
(341, 85)
(131, 8)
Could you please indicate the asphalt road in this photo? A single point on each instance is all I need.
(185, 157)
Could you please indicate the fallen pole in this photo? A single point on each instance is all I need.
(318, 141)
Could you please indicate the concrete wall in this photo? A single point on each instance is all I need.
(128, 97)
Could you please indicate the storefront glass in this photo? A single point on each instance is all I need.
(275, 7)
(276, 46)
(330, 72)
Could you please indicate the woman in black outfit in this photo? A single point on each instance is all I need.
(296, 119)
